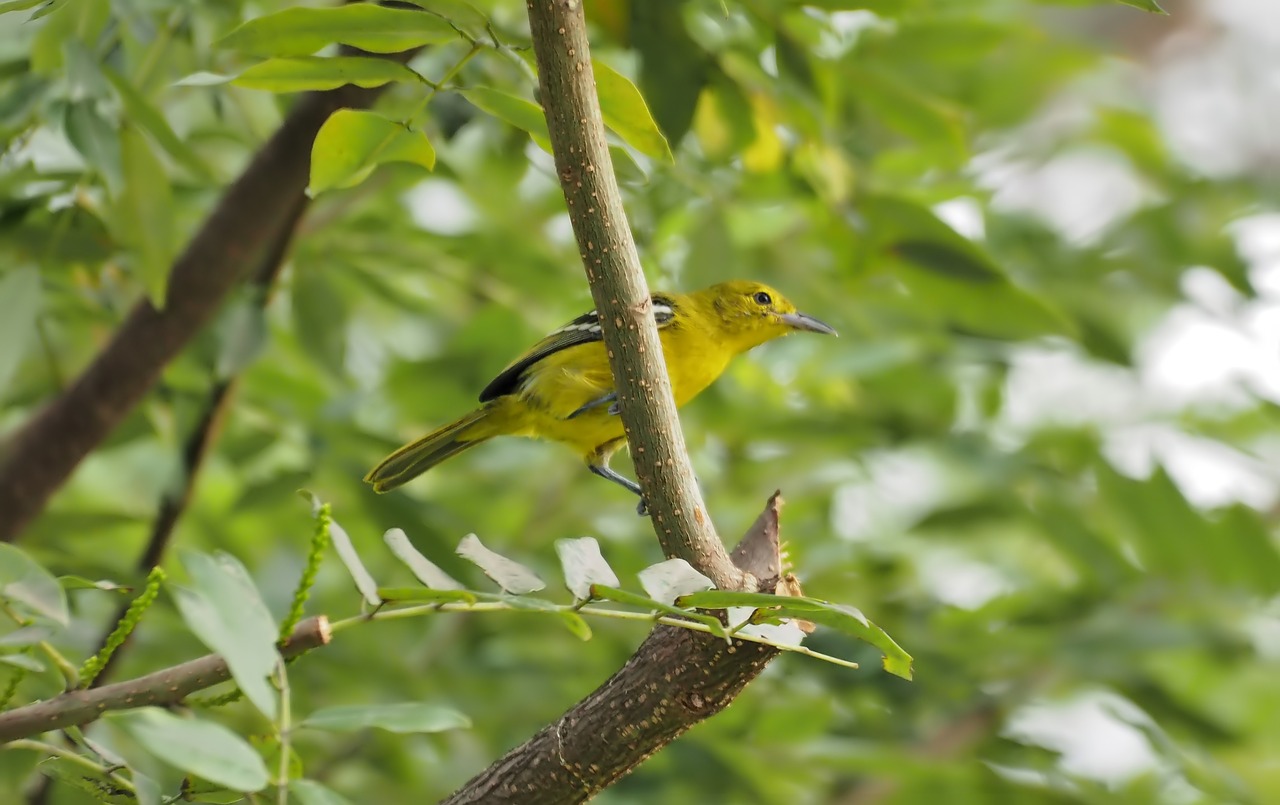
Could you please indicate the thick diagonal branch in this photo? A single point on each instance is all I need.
(675, 679)
(568, 93)
(255, 213)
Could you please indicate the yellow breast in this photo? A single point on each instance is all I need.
(563, 382)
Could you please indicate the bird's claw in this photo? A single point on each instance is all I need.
(642, 508)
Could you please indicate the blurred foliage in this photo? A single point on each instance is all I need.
(1085, 627)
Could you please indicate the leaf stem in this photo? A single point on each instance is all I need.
(601, 612)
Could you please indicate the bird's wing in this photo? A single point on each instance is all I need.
(582, 330)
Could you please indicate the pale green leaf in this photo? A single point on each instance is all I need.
(19, 311)
(96, 140)
(351, 560)
(142, 113)
(523, 114)
(352, 143)
(627, 114)
(405, 718)
(20, 5)
(1145, 5)
(667, 581)
(510, 575)
(303, 73)
(584, 566)
(242, 334)
(309, 792)
(24, 661)
(143, 214)
(301, 31)
(202, 748)
(423, 568)
(24, 582)
(462, 15)
(223, 609)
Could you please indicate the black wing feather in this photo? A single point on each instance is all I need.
(582, 330)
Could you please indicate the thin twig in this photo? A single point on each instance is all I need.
(164, 687)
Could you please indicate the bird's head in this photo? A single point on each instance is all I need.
(751, 313)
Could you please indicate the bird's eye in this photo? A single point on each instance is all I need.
(762, 298)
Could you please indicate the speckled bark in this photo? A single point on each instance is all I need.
(568, 94)
(675, 679)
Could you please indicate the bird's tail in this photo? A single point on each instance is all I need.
(419, 456)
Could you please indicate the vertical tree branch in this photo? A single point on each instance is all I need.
(568, 93)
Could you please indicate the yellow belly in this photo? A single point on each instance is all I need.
(563, 382)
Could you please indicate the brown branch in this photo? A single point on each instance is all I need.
(249, 219)
(165, 687)
(568, 93)
(675, 679)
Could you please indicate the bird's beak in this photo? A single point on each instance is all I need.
(802, 321)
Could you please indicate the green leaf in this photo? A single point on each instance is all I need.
(140, 112)
(673, 68)
(301, 31)
(899, 106)
(523, 114)
(320, 317)
(242, 334)
(351, 560)
(1145, 5)
(951, 277)
(143, 214)
(846, 619)
(25, 582)
(24, 661)
(576, 624)
(404, 718)
(352, 143)
(912, 230)
(461, 15)
(224, 610)
(423, 568)
(20, 305)
(81, 583)
(19, 5)
(723, 599)
(771, 608)
(304, 73)
(637, 600)
(584, 566)
(511, 576)
(199, 747)
(626, 112)
(26, 636)
(96, 140)
(309, 792)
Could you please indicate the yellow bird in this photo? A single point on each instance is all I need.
(562, 389)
